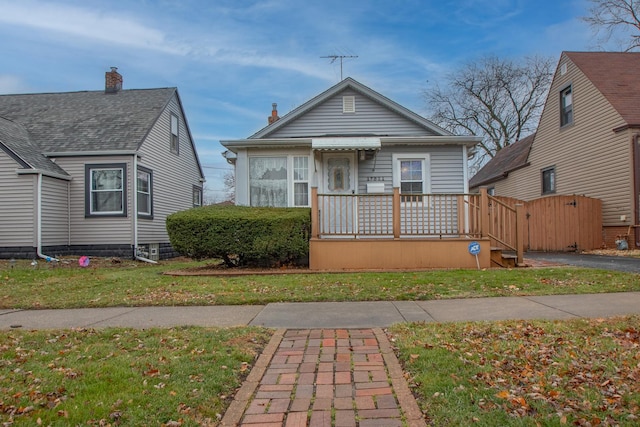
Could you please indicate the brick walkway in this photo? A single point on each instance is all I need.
(324, 378)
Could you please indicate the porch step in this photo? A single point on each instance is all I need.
(501, 259)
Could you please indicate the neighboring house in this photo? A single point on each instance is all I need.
(94, 173)
(346, 153)
(586, 142)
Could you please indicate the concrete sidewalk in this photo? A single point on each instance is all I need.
(331, 314)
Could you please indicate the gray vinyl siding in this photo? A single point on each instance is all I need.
(369, 118)
(17, 205)
(55, 212)
(96, 230)
(446, 172)
(174, 176)
(589, 158)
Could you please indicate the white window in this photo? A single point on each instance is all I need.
(145, 206)
(105, 192)
(301, 181)
(197, 196)
(174, 142)
(268, 181)
(410, 174)
(279, 181)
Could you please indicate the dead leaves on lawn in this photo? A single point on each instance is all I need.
(584, 373)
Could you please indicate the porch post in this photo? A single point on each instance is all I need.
(314, 213)
(519, 233)
(484, 212)
(396, 212)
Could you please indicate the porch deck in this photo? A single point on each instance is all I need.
(399, 232)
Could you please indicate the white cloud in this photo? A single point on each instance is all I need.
(11, 84)
(84, 23)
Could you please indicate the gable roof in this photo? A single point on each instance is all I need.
(87, 121)
(506, 160)
(615, 75)
(349, 83)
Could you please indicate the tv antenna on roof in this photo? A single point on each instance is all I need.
(341, 57)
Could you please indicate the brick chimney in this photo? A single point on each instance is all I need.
(113, 81)
(274, 114)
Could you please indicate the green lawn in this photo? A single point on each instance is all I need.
(533, 373)
(111, 377)
(139, 284)
(524, 373)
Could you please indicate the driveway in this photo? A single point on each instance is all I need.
(605, 262)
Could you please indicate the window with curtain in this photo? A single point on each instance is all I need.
(268, 181)
(144, 192)
(105, 190)
(301, 181)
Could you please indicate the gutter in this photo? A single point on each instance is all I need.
(39, 224)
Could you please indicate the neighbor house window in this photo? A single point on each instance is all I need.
(301, 181)
(105, 189)
(145, 188)
(268, 181)
(549, 180)
(197, 196)
(566, 106)
(174, 143)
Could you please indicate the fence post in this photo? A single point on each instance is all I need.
(314, 213)
(484, 212)
(519, 233)
(396, 212)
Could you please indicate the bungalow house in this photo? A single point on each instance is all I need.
(94, 173)
(387, 187)
(586, 142)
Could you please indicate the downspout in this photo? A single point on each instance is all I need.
(635, 140)
(135, 213)
(39, 223)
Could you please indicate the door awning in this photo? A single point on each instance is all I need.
(345, 143)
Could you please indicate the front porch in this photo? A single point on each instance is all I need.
(400, 232)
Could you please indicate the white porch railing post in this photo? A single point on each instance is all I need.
(396, 212)
(314, 213)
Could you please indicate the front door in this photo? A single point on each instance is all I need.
(339, 184)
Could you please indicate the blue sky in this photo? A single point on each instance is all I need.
(231, 59)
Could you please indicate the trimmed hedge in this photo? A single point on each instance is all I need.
(241, 235)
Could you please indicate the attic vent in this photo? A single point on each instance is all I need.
(563, 69)
(349, 104)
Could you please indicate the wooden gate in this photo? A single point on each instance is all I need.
(561, 223)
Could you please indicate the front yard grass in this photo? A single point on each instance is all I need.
(111, 377)
(524, 373)
(139, 284)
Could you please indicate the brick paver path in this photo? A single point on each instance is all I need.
(324, 378)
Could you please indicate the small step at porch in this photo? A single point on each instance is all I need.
(504, 259)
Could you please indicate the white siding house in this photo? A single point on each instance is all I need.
(94, 173)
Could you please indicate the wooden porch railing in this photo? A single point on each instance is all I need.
(420, 215)
(506, 226)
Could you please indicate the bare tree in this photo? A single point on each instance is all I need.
(617, 21)
(230, 185)
(498, 99)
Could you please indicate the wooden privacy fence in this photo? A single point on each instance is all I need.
(556, 223)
